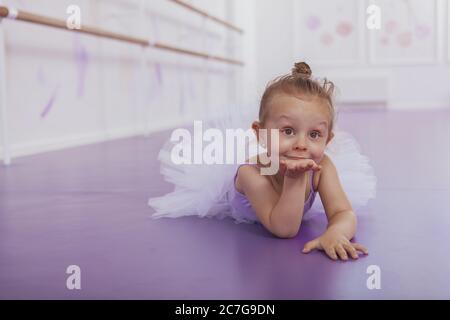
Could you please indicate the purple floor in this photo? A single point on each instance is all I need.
(88, 206)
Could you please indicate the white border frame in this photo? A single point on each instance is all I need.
(361, 54)
(405, 61)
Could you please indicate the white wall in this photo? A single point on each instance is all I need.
(419, 86)
(118, 97)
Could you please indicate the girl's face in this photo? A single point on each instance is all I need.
(303, 126)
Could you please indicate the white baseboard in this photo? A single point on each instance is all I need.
(64, 142)
(357, 106)
(41, 146)
(417, 106)
(394, 106)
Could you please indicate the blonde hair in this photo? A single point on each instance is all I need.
(299, 83)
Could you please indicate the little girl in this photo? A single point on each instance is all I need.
(301, 109)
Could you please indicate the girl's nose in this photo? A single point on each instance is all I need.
(300, 144)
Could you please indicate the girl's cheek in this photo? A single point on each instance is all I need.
(319, 153)
(284, 145)
(281, 142)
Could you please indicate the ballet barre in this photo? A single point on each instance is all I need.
(24, 16)
(207, 15)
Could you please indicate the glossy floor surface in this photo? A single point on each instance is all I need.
(87, 206)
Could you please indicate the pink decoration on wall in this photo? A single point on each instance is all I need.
(391, 26)
(384, 41)
(422, 31)
(313, 23)
(327, 39)
(344, 28)
(404, 39)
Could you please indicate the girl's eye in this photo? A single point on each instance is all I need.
(288, 131)
(315, 134)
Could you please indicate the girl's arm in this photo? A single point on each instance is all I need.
(286, 215)
(341, 218)
(338, 209)
(279, 214)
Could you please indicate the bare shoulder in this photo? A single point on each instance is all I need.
(331, 191)
(326, 162)
(248, 176)
(259, 191)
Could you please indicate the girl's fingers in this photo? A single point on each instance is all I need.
(360, 247)
(341, 252)
(311, 245)
(310, 164)
(351, 251)
(331, 253)
(295, 166)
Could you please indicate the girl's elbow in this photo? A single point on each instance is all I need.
(286, 233)
(283, 228)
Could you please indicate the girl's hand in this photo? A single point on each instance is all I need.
(335, 246)
(295, 168)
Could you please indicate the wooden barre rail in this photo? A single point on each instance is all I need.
(20, 15)
(207, 15)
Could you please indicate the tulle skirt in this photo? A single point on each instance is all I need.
(205, 190)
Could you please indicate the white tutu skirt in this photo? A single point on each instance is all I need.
(205, 190)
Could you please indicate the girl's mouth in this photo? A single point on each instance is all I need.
(295, 157)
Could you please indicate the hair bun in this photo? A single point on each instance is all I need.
(301, 69)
